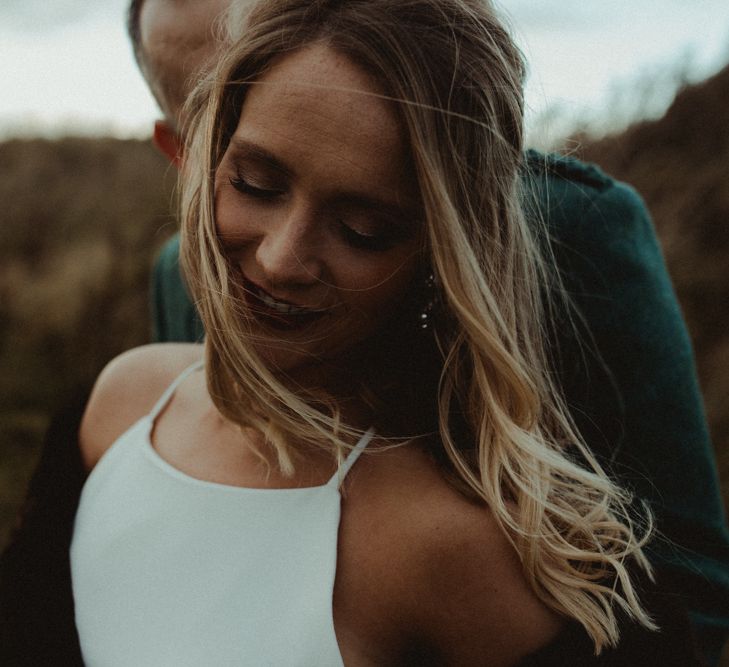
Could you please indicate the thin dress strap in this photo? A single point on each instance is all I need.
(338, 477)
(165, 398)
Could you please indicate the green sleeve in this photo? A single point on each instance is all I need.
(174, 318)
(631, 383)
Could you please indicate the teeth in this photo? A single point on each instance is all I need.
(283, 308)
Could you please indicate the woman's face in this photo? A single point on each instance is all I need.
(317, 209)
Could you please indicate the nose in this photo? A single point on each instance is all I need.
(289, 251)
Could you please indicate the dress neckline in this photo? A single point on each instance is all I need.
(334, 483)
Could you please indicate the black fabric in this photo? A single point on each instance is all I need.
(672, 646)
(36, 603)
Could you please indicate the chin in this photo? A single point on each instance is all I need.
(304, 368)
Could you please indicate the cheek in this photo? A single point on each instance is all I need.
(382, 289)
(232, 224)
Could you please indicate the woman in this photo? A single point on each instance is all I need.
(354, 236)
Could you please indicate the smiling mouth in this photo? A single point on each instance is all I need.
(278, 314)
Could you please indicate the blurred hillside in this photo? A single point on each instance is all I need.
(81, 221)
(680, 164)
(83, 218)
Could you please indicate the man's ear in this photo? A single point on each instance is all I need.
(167, 141)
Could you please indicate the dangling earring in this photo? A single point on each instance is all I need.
(428, 312)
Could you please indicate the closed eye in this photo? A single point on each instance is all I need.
(246, 188)
(371, 242)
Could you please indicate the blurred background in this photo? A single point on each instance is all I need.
(640, 87)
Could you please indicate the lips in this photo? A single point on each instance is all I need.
(279, 314)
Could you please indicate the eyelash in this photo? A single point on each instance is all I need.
(378, 243)
(246, 188)
(366, 242)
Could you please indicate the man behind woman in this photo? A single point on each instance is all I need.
(235, 246)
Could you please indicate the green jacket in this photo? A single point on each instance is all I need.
(631, 383)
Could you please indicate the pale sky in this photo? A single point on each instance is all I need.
(66, 65)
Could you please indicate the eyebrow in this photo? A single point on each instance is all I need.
(247, 150)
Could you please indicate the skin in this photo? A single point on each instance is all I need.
(176, 37)
(424, 576)
(318, 211)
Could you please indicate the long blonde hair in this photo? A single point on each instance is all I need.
(455, 78)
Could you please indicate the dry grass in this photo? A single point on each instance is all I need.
(81, 221)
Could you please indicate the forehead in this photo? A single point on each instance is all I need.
(317, 107)
(170, 21)
(178, 22)
(177, 40)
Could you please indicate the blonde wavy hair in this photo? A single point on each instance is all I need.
(479, 382)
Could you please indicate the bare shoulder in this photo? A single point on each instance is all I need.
(456, 576)
(479, 603)
(126, 390)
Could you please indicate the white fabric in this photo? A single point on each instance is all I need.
(169, 570)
